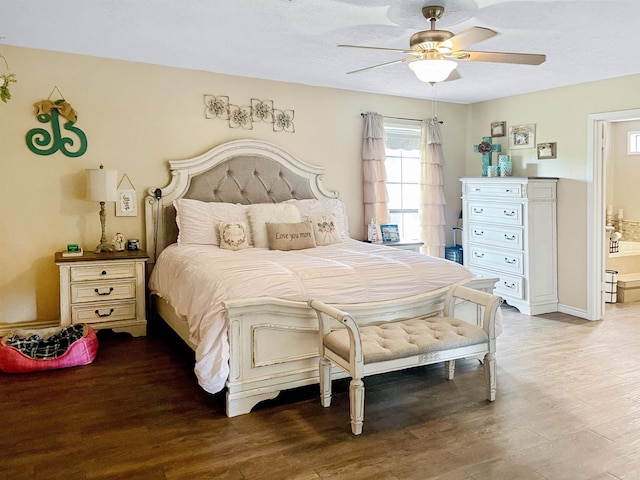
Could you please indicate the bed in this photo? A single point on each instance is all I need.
(243, 310)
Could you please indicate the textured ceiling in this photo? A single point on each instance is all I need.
(296, 40)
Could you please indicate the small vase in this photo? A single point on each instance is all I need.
(506, 167)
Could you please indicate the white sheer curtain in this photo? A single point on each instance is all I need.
(373, 157)
(432, 201)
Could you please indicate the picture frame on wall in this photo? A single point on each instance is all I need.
(498, 129)
(546, 150)
(522, 136)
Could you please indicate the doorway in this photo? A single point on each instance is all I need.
(596, 205)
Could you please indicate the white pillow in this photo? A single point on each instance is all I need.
(198, 221)
(290, 236)
(233, 235)
(260, 214)
(310, 208)
(325, 231)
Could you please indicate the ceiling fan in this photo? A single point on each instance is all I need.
(432, 51)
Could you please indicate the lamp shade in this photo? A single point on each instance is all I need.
(102, 184)
(432, 71)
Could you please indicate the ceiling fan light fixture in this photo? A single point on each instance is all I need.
(432, 71)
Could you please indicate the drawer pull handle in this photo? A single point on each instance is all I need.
(478, 255)
(103, 293)
(101, 315)
(509, 285)
(507, 237)
(512, 213)
(476, 189)
(510, 261)
(478, 210)
(478, 233)
(104, 272)
(508, 190)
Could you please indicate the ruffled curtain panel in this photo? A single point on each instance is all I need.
(373, 158)
(432, 200)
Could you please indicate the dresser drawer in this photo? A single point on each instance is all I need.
(507, 285)
(503, 213)
(500, 236)
(102, 291)
(502, 189)
(108, 271)
(104, 312)
(504, 261)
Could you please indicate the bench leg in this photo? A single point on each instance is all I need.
(325, 382)
(490, 375)
(356, 405)
(450, 369)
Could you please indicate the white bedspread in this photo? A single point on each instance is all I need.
(196, 279)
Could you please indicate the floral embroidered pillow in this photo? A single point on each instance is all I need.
(233, 235)
(325, 230)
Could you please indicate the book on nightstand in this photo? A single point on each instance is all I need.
(77, 253)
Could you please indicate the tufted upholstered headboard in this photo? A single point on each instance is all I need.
(242, 171)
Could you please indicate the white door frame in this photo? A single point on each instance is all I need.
(596, 207)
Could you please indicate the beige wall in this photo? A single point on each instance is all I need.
(560, 116)
(136, 118)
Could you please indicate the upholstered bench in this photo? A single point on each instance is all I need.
(363, 350)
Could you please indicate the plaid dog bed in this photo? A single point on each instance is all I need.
(36, 350)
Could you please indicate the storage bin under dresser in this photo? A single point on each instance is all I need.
(105, 290)
(509, 232)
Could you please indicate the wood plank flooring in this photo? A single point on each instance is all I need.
(568, 407)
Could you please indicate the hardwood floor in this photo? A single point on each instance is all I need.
(568, 407)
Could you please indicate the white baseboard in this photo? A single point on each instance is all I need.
(573, 311)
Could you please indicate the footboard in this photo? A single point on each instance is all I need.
(274, 343)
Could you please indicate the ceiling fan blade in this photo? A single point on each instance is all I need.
(500, 57)
(408, 59)
(380, 48)
(467, 37)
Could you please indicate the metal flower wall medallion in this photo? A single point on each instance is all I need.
(245, 116)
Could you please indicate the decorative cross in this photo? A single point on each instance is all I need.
(486, 149)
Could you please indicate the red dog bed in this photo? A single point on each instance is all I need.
(47, 349)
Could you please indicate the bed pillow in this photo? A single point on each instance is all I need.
(260, 214)
(310, 208)
(233, 235)
(198, 222)
(325, 231)
(290, 236)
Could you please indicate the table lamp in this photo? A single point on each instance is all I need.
(102, 186)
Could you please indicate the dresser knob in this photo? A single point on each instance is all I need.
(104, 272)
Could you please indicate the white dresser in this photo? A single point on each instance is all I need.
(509, 232)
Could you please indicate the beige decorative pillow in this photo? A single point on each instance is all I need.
(325, 230)
(233, 235)
(290, 236)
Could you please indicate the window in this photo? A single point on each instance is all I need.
(634, 143)
(402, 166)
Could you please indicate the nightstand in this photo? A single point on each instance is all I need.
(411, 246)
(105, 290)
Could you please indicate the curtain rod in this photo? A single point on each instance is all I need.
(363, 114)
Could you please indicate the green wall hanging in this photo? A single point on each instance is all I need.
(41, 142)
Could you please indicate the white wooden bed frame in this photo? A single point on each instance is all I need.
(273, 342)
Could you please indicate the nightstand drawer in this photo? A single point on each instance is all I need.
(103, 312)
(110, 271)
(102, 291)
